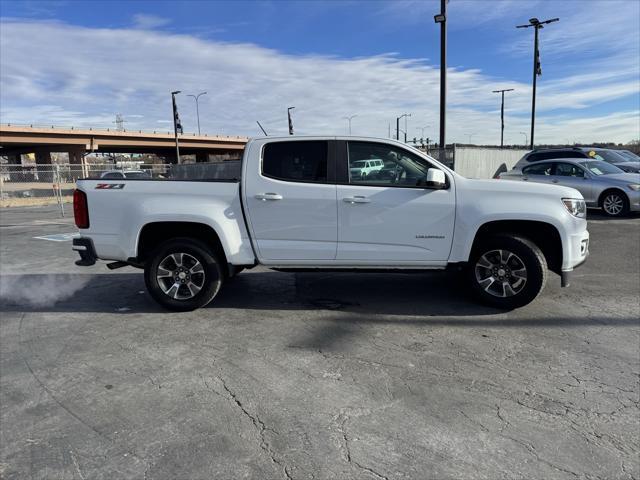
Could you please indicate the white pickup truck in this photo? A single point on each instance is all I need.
(296, 206)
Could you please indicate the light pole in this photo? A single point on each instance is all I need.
(537, 25)
(290, 121)
(525, 138)
(349, 120)
(469, 135)
(176, 123)
(502, 114)
(441, 18)
(422, 130)
(404, 115)
(196, 97)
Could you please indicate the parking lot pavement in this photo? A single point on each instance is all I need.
(314, 375)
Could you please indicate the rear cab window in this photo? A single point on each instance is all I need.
(296, 161)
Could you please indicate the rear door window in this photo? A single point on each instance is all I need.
(539, 169)
(296, 161)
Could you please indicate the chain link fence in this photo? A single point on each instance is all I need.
(30, 185)
(26, 185)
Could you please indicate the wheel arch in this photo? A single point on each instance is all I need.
(544, 235)
(154, 233)
(612, 190)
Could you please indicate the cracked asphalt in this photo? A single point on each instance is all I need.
(315, 375)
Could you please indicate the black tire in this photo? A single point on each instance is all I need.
(208, 280)
(488, 283)
(614, 203)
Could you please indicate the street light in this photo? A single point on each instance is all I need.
(349, 120)
(525, 138)
(441, 18)
(404, 115)
(502, 114)
(422, 129)
(196, 97)
(469, 135)
(537, 25)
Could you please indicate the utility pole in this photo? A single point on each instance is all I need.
(196, 97)
(119, 122)
(290, 121)
(177, 126)
(537, 70)
(441, 18)
(502, 114)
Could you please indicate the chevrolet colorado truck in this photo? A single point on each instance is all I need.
(294, 205)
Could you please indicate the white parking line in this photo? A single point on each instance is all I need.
(59, 237)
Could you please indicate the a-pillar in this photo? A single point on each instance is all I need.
(202, 157)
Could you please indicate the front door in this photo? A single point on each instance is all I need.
(291, 204)
(574, 176)
(384, 216)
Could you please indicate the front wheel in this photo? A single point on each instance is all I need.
(183, 274)
(507, 271)
(615, 204)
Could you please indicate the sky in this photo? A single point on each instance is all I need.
(79, 63)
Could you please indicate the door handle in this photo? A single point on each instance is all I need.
(525, 179)
(356, 199)
(554, 181)
(268, 196)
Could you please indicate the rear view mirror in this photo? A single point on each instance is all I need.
(435, 179)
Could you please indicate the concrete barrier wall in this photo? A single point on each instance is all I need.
(478, 162)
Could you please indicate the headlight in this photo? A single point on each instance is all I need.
(634, 186)
(576, 207)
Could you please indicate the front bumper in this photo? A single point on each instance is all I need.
(577, 255)
(84, 246)
(634, 201)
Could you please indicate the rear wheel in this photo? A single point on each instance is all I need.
(507, 271)
(614, 203)
(183, 274)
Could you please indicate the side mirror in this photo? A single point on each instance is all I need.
(435, 179)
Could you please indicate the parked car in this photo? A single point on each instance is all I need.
(629, 155)
(614, 157)
(362, 168)
(296, 208)
(130, 174)
(602, 184)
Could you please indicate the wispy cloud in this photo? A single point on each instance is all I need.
(147, 22)
(75, 76)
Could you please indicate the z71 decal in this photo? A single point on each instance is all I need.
(110, 186)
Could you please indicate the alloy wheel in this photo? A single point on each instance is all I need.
(180, 276)
(613, 204)
(501, 273)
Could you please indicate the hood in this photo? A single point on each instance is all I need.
(525, 188)
(620, 177)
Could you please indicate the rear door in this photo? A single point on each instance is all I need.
(538, 172)
(291, 201)
(386, 218)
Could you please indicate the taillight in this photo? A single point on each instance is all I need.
(80, 209)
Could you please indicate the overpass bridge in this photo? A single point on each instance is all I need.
(16, 140)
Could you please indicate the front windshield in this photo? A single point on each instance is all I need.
(601, 168)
